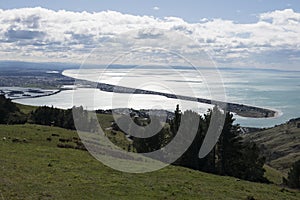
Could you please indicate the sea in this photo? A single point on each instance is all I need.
(274, 89)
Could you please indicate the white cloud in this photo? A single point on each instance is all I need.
(155, 8)
(46, 35)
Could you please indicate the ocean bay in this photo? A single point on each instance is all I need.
(261, 88)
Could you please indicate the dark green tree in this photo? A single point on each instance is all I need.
(155, 142)
(175, 123)
(293, 179)
(190, 156)
(10, 113)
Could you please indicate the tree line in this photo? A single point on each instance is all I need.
(75, 118)
(44, 115)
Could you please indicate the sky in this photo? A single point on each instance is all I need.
(189, 10)
(235, 33)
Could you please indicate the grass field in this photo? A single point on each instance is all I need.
(33, 167)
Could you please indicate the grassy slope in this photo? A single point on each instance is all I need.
(273, 175)
(37, 169)
(281, 145)
(118, 138)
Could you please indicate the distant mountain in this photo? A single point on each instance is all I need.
(280, 144)
(15, 65)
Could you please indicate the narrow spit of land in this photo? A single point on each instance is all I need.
(239, 109)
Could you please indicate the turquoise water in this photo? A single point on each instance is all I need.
(277, 90)
(272, 89)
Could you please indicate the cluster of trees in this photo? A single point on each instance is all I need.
(10, 113)
(230, 156)
(44, 115)
(155, 142)
(293, 179)
(64, 118)
(52, 116)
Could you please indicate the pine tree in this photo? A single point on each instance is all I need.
(175, 123)
(228, 147)
(190, 156)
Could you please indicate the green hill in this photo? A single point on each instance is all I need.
(280, 144)
(33, 167)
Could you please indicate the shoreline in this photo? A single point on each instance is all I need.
(242, 110)
(38, 96)
(239, 109)
(41, 93)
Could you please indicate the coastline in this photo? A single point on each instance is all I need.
(240, 109)
(40, 91)
(43, 95)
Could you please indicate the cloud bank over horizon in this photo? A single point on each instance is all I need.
(38, 34)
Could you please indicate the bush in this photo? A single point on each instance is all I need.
(67, 146)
